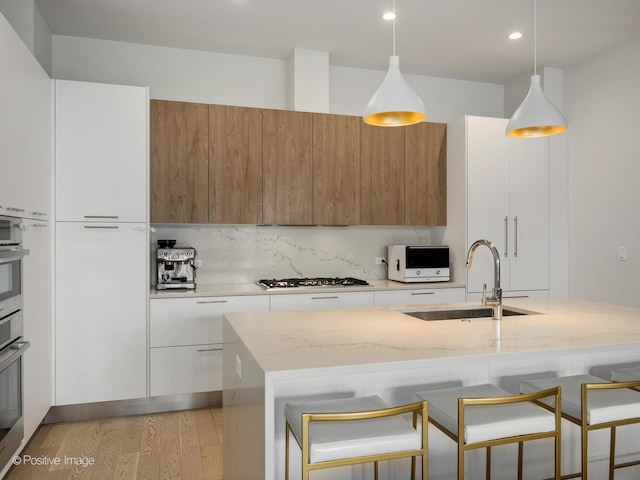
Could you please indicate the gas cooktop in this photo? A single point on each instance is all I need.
(312, 282)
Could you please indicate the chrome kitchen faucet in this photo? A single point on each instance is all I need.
(495, 301)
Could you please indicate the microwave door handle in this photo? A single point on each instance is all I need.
(13, 253)
(11, 352)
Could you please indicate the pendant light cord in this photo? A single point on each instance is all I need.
(535, 37)
(394, 27)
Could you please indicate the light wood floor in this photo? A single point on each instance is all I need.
(183, 445)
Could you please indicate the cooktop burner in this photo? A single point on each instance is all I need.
(312, 282)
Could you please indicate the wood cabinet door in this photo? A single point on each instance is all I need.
(235, 164)
(425, 182)
(382, 175)
(336, 169)
(288, 167)
(179, 140)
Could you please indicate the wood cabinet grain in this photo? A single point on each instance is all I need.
(235, 164)
(425, 184)
(288, 167)
(179, 156)
(336, 169)
(382, 175)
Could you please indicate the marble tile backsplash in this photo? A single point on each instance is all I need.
(244, 254)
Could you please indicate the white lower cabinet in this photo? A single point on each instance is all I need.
(318, 301)
(419, 296)
(101, 312)
(185, 336)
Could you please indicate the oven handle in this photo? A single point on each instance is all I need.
(9, 354)
(13, 253)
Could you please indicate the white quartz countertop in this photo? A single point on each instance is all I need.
(288, 341)
(217, 290)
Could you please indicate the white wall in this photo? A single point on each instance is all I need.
(602, 101)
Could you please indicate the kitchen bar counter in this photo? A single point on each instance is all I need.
(273, 357)
(214, 290)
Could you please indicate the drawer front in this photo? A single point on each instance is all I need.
(319, 301)
(193, 321)
(419, 297)
(175, 370)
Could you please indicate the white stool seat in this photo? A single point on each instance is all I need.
(629, 374)
(603, 406)
(339, 440)
(489, 422)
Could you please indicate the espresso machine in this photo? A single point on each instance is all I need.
(176, 266)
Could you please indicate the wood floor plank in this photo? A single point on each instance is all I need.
(56, 435)
(149, 458)
(171, 464)
(72, 442)
(206, 428)
(190, 446)
(212, 462)
(132, 434)
(217, 421)
(126, 466)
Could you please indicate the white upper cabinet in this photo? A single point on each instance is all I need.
(507, 202)
(101, 152)
(10, 80)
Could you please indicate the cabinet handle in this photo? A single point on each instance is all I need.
(423, 293)
(324, 298)
(39, 225)
(42, 214)
(13, 209)
(211, 301)
(506, 236)
(515, 235)
(200, 350)
(515, 296)
(101, 216)
(112, 227)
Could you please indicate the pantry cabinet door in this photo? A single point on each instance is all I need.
(101, 152)
(336, 169)
(101, 312)
(288, 167)
(235, 164)
(179, 158)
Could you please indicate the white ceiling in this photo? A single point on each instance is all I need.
(463, 39)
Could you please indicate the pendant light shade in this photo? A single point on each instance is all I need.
(394, 103)
(536, 116)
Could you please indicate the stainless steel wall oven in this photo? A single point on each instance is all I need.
(12, 345)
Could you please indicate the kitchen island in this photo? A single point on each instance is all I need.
(274, 357)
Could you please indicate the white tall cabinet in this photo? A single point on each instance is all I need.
(101, 242)
(499, 190)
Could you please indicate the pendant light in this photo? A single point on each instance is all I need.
(395, 103)
(536, 116)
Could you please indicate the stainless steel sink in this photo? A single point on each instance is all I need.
(463, 313)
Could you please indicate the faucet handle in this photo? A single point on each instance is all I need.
(484, 294)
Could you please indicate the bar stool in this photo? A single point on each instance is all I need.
(347, 431)
(593, 403)
(482, 416)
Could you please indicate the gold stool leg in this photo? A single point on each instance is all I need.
(286, 449)
(520, 449)
(585, 452)
(460, 461)
(612, 452)
(488, 466)
(375, 469)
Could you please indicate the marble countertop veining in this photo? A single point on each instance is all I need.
(294, 340)
(217, 290)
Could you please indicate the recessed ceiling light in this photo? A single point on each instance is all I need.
(389, 15)
(515, 36)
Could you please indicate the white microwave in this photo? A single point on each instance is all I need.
(418, 263)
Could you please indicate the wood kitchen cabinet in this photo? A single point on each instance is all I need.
(425, 179)
(235, 165)
(382, 175)
(179, 156)
(501, 186)
(336, 169)
(288, 167)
